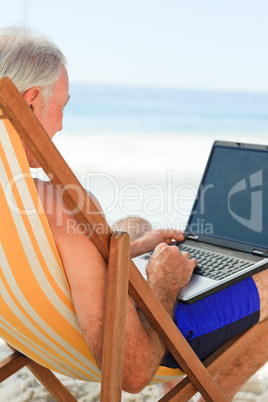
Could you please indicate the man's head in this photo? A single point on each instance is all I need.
(30, 59)
(37, 68)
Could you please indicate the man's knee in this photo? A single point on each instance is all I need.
(135, 226)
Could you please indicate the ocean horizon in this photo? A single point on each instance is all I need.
(151, 110)
(136, 147)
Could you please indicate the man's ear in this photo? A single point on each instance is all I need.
(32, 96)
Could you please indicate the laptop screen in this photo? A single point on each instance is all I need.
(233, 196)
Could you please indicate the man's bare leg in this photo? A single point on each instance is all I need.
(261, 281)
(135, 226)
(238, 372)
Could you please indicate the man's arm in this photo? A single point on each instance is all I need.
(152, 238)
(86, 271)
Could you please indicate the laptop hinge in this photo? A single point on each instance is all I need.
(192, 237)
(258, 252)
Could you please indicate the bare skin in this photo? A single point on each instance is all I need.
(86, 270)
(238, 372)
(234, 376)
(136, 227)
(143, 349)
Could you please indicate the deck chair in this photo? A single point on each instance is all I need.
(123, 276)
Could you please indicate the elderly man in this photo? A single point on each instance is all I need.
(38, 69)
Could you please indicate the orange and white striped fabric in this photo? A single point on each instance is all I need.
(37, 315)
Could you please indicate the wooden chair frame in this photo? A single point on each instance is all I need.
(123, 275)
(17, 361)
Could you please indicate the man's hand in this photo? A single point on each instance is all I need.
(168, 272)
(152, 238)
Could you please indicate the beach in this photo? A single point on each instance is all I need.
(145, 157)
(152, 86)
(23, 387)
(140, 187)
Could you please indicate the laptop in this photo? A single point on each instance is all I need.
(227, 231)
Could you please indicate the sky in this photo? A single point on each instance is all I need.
(195, 44)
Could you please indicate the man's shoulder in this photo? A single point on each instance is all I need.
(47, 193)
(61, 218)
(55, 208)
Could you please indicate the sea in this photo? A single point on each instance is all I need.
(142, 151)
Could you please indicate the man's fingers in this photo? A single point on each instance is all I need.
(173, 235)
(187, 255)
(194, 262)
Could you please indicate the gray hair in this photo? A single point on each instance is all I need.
(30, 59)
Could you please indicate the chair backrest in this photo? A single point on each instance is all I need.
(45, 328)
(14, 108)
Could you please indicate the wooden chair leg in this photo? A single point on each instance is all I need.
(51, 383)
(115, 318)
(11, 364)
(17, 360)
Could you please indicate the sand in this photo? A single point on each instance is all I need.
(23, 387)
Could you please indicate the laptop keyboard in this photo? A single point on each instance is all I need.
(214, 265)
